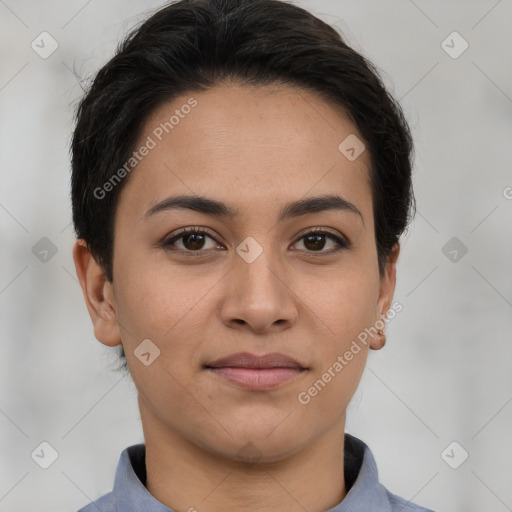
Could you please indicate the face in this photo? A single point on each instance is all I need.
(261, 277)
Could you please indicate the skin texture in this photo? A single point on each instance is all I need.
(254, 149)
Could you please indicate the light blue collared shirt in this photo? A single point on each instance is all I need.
(365, 493)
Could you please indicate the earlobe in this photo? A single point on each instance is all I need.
(387, 289)
(379, 340)
(98, 295)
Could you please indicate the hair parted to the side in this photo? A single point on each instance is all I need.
(192, 45)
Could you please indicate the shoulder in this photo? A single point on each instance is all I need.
(399, 504)
(129, 483)
(105, 504)
(366, 492)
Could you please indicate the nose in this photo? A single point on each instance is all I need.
(259, 296)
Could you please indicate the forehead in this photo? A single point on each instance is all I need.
(234, 141)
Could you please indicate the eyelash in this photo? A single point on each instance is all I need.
(167, 244)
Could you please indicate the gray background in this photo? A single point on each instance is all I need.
(445, 373)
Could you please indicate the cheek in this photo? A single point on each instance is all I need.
(169, 306)
(344, 306)
(343, 300)
(155, 299)
(344, 311)
(331, 387)
(160, 307)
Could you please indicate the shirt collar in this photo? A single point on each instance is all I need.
(361, 478)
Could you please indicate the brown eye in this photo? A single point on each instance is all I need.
(315, 241)
(192, 240)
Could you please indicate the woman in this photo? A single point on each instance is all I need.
(241, 179)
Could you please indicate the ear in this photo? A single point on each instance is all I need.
(387, 289)
(98, 294)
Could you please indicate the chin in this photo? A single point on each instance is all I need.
(258, 444)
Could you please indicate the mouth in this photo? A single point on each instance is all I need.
(257, 373)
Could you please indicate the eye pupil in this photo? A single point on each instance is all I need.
(198, 238)
(317, 238)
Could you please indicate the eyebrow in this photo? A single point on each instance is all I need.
(222, 210)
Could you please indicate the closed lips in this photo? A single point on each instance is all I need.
(247, 360)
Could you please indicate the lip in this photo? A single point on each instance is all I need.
(255, 372)
(248, 360)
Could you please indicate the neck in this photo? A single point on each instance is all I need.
(186, 477)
